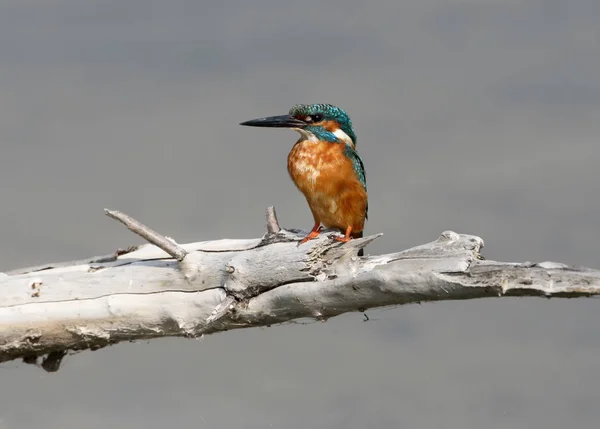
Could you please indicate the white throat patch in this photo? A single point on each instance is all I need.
(306, 135)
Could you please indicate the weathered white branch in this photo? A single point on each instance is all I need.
(207, 287)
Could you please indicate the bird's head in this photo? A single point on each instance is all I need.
(314, 122)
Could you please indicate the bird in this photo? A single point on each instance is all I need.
(325, 167)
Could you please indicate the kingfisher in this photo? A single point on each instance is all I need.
(325, 167)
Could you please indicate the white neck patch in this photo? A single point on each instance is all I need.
(343, 137)
(339, 134)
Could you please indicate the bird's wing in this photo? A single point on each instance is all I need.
(357, 163)
(359, 168)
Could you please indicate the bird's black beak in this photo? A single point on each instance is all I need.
(283, 121)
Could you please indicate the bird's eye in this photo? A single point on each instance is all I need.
(311, 119)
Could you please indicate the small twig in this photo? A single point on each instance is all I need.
(272, 222)
(148, 234)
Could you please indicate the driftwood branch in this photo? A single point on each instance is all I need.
(165, 289)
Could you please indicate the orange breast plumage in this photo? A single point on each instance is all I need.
(326, 177)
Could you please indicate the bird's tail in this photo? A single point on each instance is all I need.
(361, 252)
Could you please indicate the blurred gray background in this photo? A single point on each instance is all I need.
(480, 116)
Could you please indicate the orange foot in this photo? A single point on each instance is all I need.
(346, 238)
(312, 234)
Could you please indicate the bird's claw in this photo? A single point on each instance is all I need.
(311, 235)
(341, 239)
